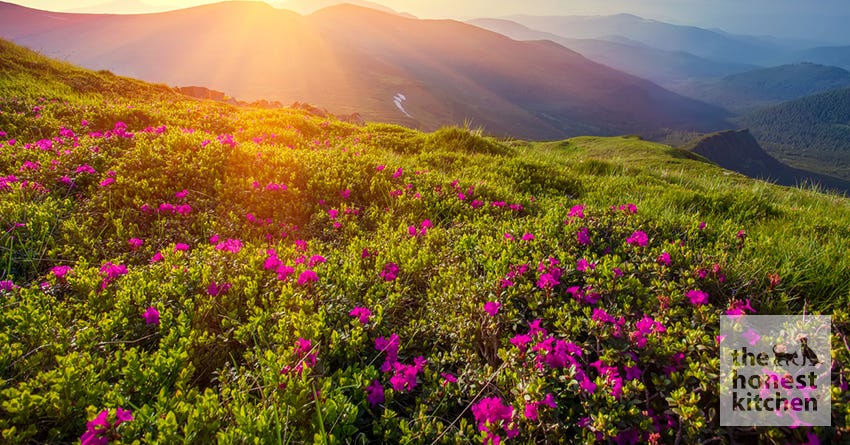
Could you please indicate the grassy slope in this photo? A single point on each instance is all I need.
(211, 370)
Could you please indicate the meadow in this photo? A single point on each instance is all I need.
(183, 271)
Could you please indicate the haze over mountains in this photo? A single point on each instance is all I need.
(352, 59)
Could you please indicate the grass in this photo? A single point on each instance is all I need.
(502, 215)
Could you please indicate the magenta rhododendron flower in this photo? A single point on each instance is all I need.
(230, 245)
(664, 259)
(582, 265)
(111, 272)
(404, 376)
(697, 297)
(151, 315)
(307, 277)
(181, 247)
(738, 307)
(362, 314)
(7, 285)
(531, 409)
(448, 378)
(390, 272)
(157, 257)
(492, 308)
(583, 236)
(490, 415)
(61, 272)
(390, 347)
(638, 238)
(617, 272)
(181, 194)
(304, 355)
(107, 182)
(215, 289)
(398, 173)
(521, 341)
(99, 430)
(701, 225)
(135, 243)
(577, 211)
(375, 393)
(527, 237)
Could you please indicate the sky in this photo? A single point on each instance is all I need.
(823, 20)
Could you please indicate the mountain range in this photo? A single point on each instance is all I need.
(354, 59)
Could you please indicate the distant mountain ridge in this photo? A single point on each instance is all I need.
(768, 86)
(639, 59)
(713, 45)
(351, 59)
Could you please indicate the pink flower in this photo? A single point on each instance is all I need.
(362, 314)
(697, 297)
(151, 316)
(333, 213)
(521, 341)
(398, 173)
(304, 354)
(547, 281)
(629, 208)
(509, 237)
(404, 376)
(617, 272)
(582, 265)
(664, 259)
(111, 272)
(390, 347)
(527, 237)
(577, 211)
(7, 285)
(492, 308)
(390, 272)
(61, 271)
(301, 245)
(230, 245)
(181, 247)
(490, 414)
(375, 393)
(181, 194)
(157, 257)
(448, 378)
(531, 409)
(701, 225)
(135, 243)
(345, 194)
(215, 289)
(107, 182)
(380, 167)
(583, 237)
(307, 277)
(638, 238)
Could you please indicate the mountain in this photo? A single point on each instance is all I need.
(709, 44)
(351, 59)
(768, 86)
(811, 133)
(827, 55)
(662, 67)
(739, 151)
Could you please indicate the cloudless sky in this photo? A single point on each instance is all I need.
(815, 19)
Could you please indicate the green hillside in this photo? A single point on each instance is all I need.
(812, 133)
(179, 271)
